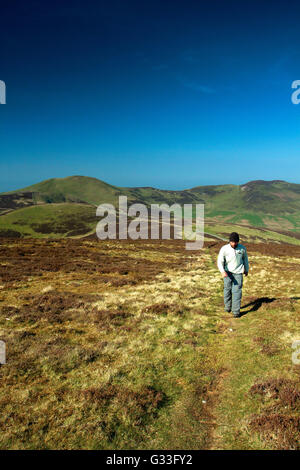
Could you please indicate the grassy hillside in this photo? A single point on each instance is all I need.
(50, 220)
(94, 191)
(57, 220)
(252, 234)
(270, 204)
(73, 189)
(126, 345)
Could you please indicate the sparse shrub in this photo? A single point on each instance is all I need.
(280, 428)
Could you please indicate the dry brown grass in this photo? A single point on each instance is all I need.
(126, 345)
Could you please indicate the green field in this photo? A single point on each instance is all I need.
(72, 219)
(49, 220)
(253, 234)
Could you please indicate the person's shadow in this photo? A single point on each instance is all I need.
(256, 304)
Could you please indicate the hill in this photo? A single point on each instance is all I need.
(272, 205)
(71, 189)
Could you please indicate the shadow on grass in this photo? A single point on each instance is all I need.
(256, 304)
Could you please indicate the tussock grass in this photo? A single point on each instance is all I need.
(116, 345)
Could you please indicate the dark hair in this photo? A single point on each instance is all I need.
(234, 237)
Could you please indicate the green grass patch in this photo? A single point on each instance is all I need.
(50, 220)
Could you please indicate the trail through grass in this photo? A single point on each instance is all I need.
(126, 346)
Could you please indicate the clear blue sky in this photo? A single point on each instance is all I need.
(171, 94)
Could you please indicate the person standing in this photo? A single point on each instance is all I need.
(233, 263)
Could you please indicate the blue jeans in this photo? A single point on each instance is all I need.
(233, 284)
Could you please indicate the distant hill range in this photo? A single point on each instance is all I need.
(271, 205)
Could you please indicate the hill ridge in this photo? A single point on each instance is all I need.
(273, 204)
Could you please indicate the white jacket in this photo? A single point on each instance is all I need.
(234, 260)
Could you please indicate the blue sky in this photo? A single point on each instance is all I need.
(169, 94)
